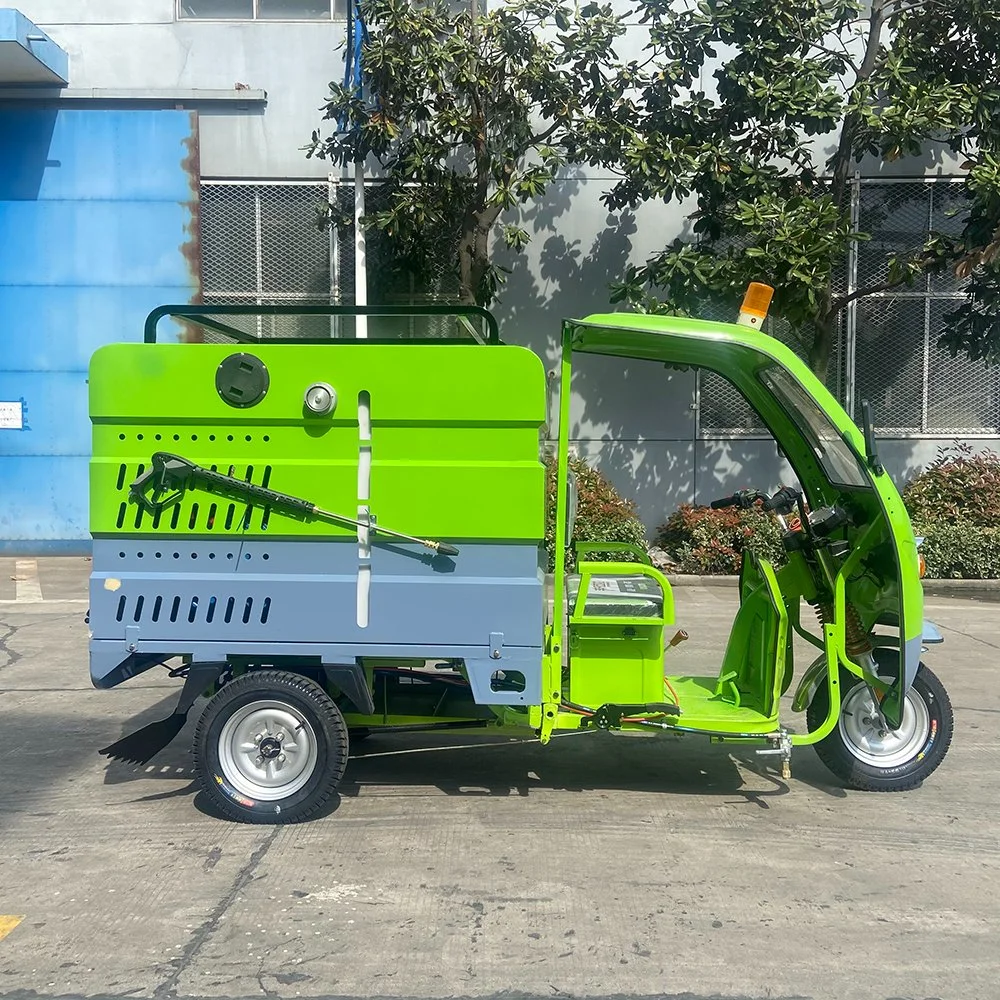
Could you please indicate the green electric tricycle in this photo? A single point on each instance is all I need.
(331, 537)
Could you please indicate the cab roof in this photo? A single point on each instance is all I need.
(643, 336)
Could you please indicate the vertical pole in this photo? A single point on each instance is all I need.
(925, 380)
(552, 680)
(258, 242)
(360, 263)
(334, 248)
(696, 437)
(851, 319)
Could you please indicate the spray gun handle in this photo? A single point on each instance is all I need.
(169, 476)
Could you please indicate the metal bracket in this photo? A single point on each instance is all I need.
(351, 679)
(496, 645)
(131, 638)
(782, 748)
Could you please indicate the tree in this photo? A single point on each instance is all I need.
(764, 153)
(469, 116)
(949, 49)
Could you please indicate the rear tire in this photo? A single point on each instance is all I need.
(270, 747)
(866, 758)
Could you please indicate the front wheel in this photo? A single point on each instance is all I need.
(270, 747)
(869, 758)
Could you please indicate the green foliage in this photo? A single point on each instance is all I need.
(470, 116)
(960, 550)
(603, 514)
(703, 541)
(958, 485)
(886, 78)
(955, 504)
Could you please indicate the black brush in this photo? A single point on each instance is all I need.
(144, 744)
(141, 746)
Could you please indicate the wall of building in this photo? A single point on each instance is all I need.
(139, 44)
(639, 425)
(97, 213)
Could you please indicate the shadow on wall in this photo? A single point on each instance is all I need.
(31, 136)
(634, 420)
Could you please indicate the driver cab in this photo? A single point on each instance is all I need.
(614, 614)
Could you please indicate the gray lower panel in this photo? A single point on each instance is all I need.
(214, 599)
(491, 679)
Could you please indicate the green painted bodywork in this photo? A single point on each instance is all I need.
(880, 577)
(462, 415)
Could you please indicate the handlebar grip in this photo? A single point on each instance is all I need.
(786, 498)
(724, 502)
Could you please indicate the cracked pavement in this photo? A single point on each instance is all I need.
(594, 867)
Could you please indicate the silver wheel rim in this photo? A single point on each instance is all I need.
(267, 750)
(869, 742)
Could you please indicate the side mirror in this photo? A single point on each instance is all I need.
(871, 451)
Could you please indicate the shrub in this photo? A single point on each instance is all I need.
(961, 550)
(704, 541)
(603, 514)
(955, 504)
(957, 485)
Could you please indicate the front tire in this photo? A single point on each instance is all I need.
(867, 758)
(270, 747)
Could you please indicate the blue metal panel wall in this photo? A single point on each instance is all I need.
(98, 224)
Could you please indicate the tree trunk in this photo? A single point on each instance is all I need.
(826, 329)
(474, 255)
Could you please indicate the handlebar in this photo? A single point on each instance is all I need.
(744, 499)
(783, 502)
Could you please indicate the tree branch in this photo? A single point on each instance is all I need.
(837, 55)
(839, 301)
(543, 136)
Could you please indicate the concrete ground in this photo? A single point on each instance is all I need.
(455, 867)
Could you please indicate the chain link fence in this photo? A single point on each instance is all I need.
(267, 242)
(262, 242)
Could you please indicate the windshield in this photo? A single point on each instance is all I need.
(834, 454)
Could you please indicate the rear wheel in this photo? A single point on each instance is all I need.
(865, 755)
(270, 747)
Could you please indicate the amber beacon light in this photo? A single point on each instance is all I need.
(753, 312)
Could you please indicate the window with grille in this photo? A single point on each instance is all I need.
(887, 350)
(262, 242)
(261, 10)
(915, 387)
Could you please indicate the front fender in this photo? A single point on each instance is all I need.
(809, 683)
(816, 670)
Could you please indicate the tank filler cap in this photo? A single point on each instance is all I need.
(242, 380)
(320, 398)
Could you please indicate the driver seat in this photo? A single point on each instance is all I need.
(753, 667)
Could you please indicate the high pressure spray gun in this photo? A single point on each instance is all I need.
(169, 476)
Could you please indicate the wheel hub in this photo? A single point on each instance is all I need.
(867, 739)
(268, 750)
